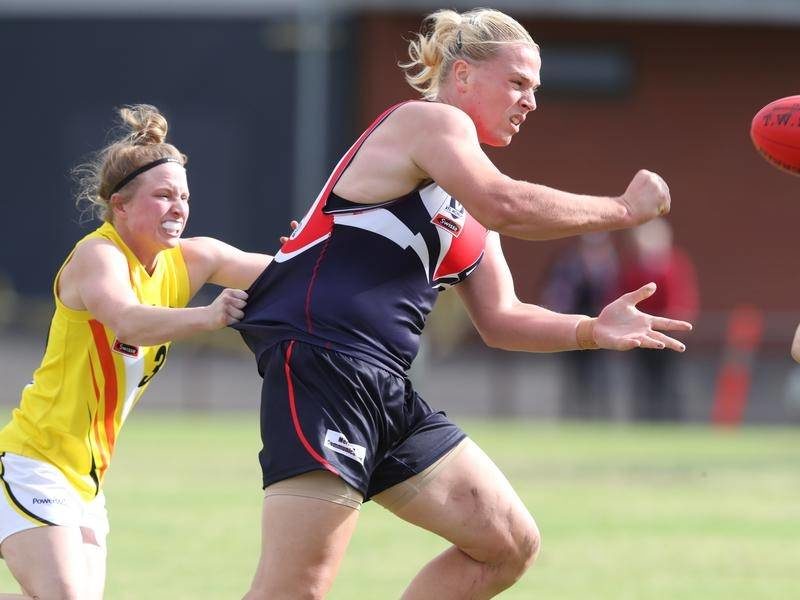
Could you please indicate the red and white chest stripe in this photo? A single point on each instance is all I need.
(316, 226)
(461, 238)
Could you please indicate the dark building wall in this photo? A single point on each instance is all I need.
(227, 88)
(685, 113)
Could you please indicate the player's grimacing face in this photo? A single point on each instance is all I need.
(502, 92)
(159, 207)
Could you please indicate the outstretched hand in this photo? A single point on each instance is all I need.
(622, 326)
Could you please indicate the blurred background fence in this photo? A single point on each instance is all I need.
(217, 372)
(264, 96)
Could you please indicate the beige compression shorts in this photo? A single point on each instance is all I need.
(326, 486)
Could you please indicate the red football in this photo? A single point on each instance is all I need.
(775, 131)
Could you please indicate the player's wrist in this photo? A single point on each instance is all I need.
(207, 319)
(584, 334)
(625, 216)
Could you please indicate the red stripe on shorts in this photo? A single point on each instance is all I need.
(298, 430)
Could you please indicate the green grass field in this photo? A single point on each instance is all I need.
(625, 512)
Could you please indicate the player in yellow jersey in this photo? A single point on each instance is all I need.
(120, 299)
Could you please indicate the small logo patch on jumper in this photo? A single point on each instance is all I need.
(126, 349)
(338, 443)
(450, 217)
(49, 501)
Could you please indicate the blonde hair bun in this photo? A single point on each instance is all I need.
(142, 140)
(146, 123)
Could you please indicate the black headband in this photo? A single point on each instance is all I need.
(127, 179)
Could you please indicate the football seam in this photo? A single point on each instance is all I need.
(764, 138)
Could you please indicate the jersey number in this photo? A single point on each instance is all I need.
(161, 355)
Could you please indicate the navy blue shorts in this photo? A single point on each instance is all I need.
(322, 409)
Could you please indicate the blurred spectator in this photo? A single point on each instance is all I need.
(583, 280)
(650, 255)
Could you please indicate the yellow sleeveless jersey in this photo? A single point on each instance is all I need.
(71, 413)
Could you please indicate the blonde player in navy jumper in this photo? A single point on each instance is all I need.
(416, 206)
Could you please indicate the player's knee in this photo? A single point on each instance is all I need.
(522, 551)
(512, 550)
(530, 542)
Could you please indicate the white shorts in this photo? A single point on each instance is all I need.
(36, 494)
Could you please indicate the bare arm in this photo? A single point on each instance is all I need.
(212, 261)
(452, 157)
(96, 279)
(505, 322)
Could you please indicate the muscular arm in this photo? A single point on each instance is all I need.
(96, 279)
(454, 159)
(502, 320)
(505, 322)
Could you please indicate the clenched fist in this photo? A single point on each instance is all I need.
(646, 198)
(227, 308)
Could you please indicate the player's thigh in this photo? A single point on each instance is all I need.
(96, 557)
(94, 532)
(307, 523)
(470, 503)
(308, 531)
(48, 562)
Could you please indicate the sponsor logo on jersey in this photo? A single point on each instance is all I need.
(126, 349)
(49, 501)
(337, 442)
(451, 217)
